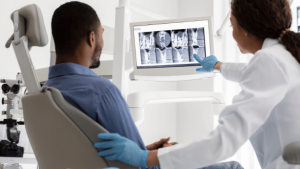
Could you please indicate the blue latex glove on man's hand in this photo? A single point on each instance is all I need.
(116, 147)
(207, 63)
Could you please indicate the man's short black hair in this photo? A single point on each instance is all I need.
(72, 22)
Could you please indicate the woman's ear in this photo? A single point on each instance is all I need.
(245, 33)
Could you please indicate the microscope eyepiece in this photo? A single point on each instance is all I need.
(5, 88)
(15, 89)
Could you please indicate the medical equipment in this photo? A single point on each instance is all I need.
(11, 89)
(10, 165)
(76, 131)
(163, 50)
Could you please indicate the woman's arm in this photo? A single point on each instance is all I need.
(152, 159)
(230, 71)
(264, 85)
(218, 66)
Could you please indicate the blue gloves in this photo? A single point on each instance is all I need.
(116, 147)
(207, 63)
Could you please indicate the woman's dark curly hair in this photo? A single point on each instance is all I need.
(267, 19)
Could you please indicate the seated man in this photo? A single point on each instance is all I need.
(77, 33)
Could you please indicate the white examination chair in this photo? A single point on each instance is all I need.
(61, 136)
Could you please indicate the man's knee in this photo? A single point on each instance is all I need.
(236, 165)
(225, 165)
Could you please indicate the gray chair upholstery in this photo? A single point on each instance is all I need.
(31, 24)
(62, 136)
(291, 153)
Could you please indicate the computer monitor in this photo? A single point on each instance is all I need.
(163, 50)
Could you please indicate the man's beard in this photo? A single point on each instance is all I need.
(96, 57)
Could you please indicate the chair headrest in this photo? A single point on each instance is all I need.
(31, 24)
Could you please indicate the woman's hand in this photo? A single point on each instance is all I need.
(208, 64)
(115, 147)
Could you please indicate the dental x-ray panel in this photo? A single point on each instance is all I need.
(163, 50)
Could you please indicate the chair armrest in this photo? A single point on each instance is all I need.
(291, 153)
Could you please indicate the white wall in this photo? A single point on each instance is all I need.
(294, 6)
(195, 8)
(166, 8)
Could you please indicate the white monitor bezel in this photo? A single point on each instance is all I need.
(170, 73)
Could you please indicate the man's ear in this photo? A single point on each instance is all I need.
(91, 39)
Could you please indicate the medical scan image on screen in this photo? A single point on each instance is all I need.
(169, 47)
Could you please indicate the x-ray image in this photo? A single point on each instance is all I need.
(147, 44)
(172, 46)
(200, 51)
(162, 39)
(163, 47)
(179, 38)
(164, 55)
(196, 43)
(180, 46)
(180, 54)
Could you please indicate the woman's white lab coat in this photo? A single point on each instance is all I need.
(267, 111)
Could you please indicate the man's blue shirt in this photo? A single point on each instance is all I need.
(97, 97)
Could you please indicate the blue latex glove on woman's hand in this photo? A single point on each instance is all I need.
(207, 63)
(120, 148)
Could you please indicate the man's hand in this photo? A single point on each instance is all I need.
(169, 144)
(160, 144)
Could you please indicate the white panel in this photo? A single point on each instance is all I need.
(194, 120)
(121, 32)
(108, 38)
(196, 85)
(160, 122)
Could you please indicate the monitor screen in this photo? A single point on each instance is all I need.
(171, 44)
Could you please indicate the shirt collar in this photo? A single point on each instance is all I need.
(63, 69)
(269, 42)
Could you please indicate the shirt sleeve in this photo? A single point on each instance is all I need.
(114, 115)
(264, 85)
(232, 71)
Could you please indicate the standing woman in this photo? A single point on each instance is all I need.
(267, 111)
